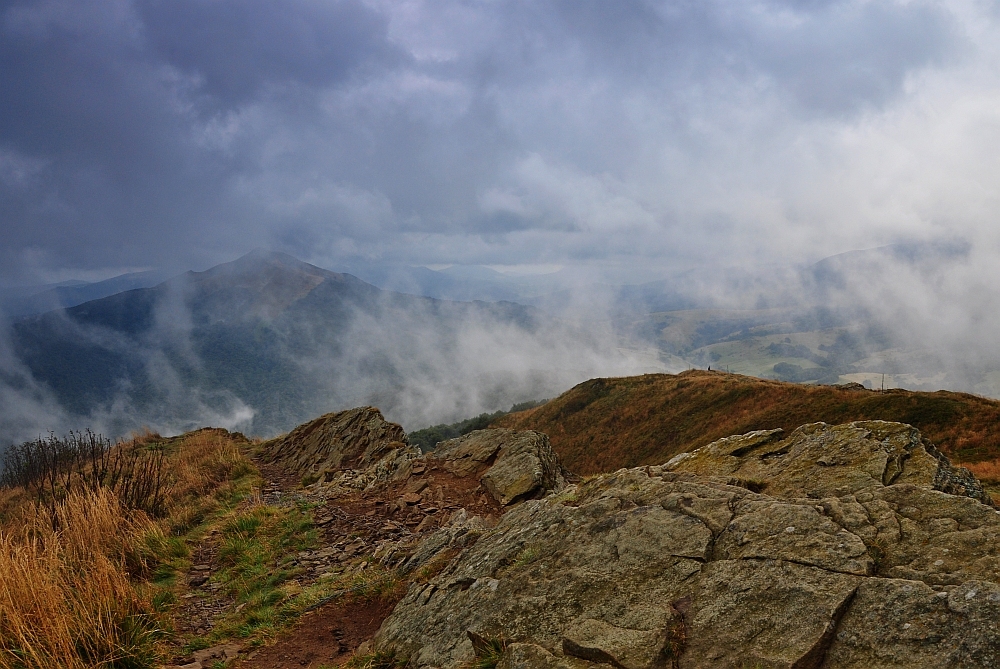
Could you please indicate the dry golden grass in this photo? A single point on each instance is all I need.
(988, 471)
(603, 424)
(67, 598)
(75, 597)
(202, 464)
(203, 461)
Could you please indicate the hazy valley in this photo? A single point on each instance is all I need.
(265, 342)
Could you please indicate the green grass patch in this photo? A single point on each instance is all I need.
(377, 660)
(254, 554)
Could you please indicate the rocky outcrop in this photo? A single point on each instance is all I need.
(848, 546)
(348, 440)
(512, 465)
(818, 460)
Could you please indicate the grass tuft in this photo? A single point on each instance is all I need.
(488, 651)
(377, 660)
(67, 596)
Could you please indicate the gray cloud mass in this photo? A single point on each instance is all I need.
(503, 132)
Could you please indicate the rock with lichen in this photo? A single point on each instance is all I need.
(856, 545)
(512, 465)
(351, 440)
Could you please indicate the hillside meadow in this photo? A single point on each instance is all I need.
(604, 424)
(94, 575)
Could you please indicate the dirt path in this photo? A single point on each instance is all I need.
(356, 524)
(354, 527)
(328, 635)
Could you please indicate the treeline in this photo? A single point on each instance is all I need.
(429, 437)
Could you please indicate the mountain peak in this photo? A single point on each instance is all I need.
(261, 257)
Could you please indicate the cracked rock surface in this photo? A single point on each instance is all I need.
(856, 545)
(346, 440)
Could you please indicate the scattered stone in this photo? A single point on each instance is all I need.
(221, 653)
(415, 485)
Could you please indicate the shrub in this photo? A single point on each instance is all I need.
(488, 651)
(428, 438)
(50, 469)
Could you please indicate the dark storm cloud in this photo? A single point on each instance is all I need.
(238, 47)
(111, 106)
(142, 133)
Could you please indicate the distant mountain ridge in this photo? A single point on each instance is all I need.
(267, 341)
(22, 302)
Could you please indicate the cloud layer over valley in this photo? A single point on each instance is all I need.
(267, 342)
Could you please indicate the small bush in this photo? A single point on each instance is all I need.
(49, 469)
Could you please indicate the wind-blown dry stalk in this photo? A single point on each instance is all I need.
(66, 597)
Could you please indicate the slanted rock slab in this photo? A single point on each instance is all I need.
(352, 439)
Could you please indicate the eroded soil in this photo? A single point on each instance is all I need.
(354, 527)
(328, 635)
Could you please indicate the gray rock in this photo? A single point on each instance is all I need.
(352, 439)
(512, 465)
(530, 656)
(780, 530)
(603, 643)
(820, 460)
(855, 557)
(897, 623)
(767, 613)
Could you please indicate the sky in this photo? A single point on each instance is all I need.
(655, 135)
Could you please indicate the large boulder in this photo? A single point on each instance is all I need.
(828, 547)
(511, 465)
(347, 440)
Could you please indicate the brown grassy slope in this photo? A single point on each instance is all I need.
(603, 424)
(84, 596)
